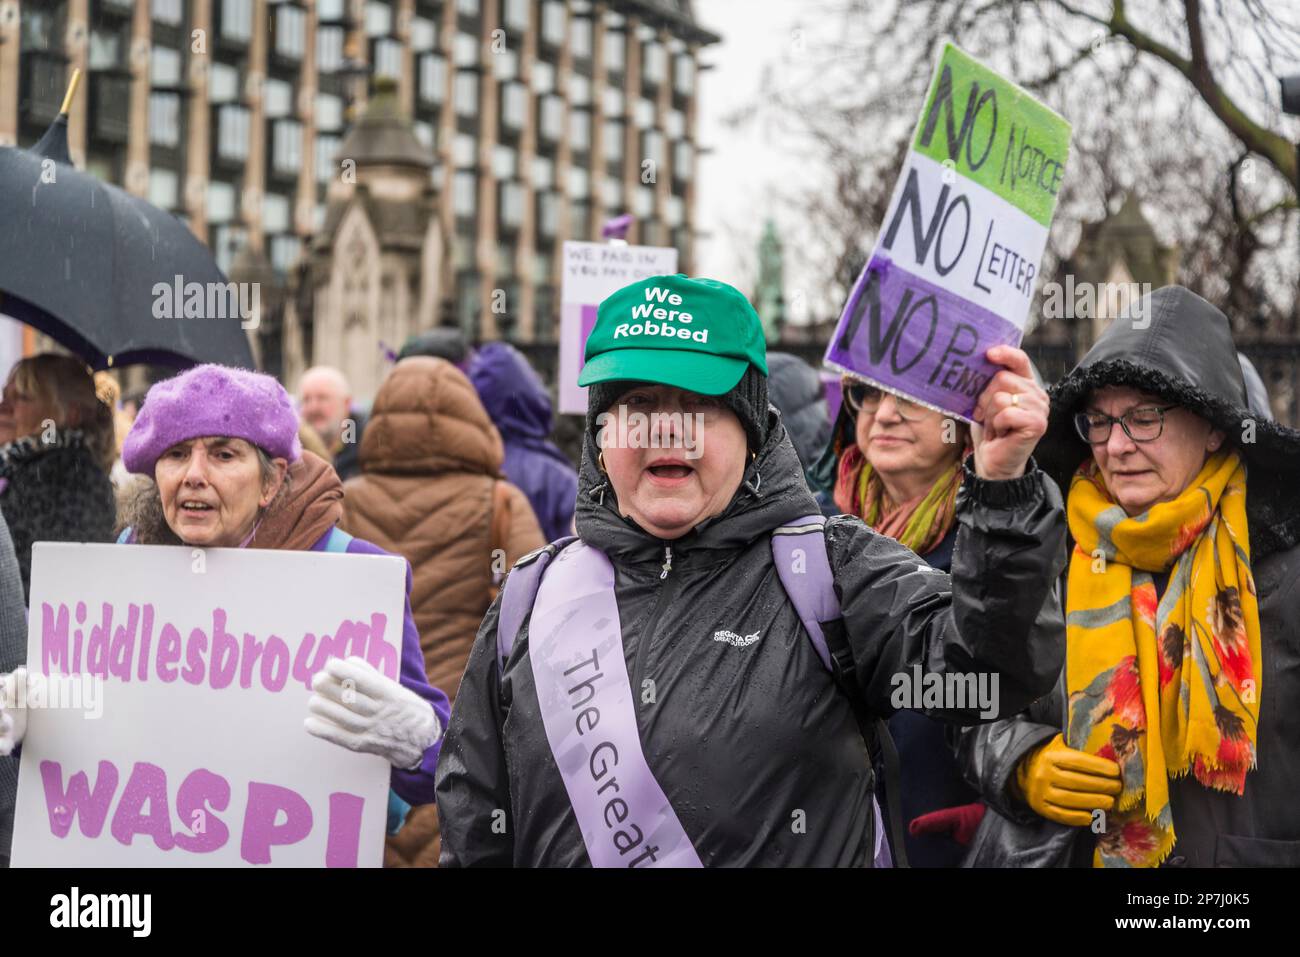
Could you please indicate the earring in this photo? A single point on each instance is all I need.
(600, 461)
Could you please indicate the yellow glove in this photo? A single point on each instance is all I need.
(1065, 785)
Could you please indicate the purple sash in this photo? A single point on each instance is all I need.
(588, 708)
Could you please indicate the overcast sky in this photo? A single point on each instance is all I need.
(738, 180)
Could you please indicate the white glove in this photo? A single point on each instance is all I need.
(13, 711)
(354, 705)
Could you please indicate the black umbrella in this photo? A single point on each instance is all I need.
(108, 275)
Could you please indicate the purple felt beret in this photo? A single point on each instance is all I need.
(213, 400)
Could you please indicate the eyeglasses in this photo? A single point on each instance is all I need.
(867, 398)
(1145, 424)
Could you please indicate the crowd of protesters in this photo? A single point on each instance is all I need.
(1119, 554)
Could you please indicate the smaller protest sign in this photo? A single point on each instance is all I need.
(592, 271)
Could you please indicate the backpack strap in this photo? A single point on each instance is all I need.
(804, 567)
(518, 593)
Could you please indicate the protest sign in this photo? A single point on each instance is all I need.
(953, 270)
(592, 271)
(193, 668)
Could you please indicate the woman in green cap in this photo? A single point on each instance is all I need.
(694, 679)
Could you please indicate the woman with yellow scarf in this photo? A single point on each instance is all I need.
(1174, 737)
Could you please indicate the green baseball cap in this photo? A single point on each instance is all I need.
(696, 334)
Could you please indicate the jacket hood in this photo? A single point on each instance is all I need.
(772, 492)
(511, 391)
(795, 388)
(426, 419)
(1179, 347)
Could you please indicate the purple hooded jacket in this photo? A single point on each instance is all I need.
(520, 407)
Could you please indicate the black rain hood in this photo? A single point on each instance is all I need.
(1179, 347)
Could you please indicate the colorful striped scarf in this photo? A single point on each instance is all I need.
(1186, 667)
(920, 524)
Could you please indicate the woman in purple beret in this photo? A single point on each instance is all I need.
(221, 446)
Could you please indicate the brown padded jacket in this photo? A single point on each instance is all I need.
(430, 476)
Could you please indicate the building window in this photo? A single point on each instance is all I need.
(551, 117)
(290, 31)
(611, 193)
(466, 49)
(682, 156)
(674, 211)
(464, 194)
(615, 53)
(329, 49)
(684, 74)
(327, 148)
(514, 106)
(387, 57)
(553, 22)
(167, 11)
(645, 113)
(464, 151)
(466, 93)
(644, 202)
(579, 90)
(223, 83)
(675, 124)
(379, 19)
(579, 183)
(331, 10)
(514, 15)
(277, 98)
(165, 67)
(329, 112)
(613, 142)
(548, 214)
(579, 218)
(580, 37)
(164, 187)
(284, 253)
(613, 102)
(433, 78)
(505, 162)
(652, 147)
(424, 35)
(511, 204)
(221, 202)
(425, 133)
(543, 77)
(654, 64)
(543, 172)
(232, 132)
(237, 20)
(286, 146)
(164, 119)
(469, 8)
(275, 213)
(580, 130)
(105, 52)
(505, 65)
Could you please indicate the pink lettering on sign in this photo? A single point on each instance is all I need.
(273, 816)
(219, 657)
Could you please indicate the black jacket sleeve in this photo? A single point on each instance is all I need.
(997, 614)
(472, 787)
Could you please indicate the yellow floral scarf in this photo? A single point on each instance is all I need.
(1192, 662)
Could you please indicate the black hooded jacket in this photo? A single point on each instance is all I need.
(747, 741)
(1179, 348)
